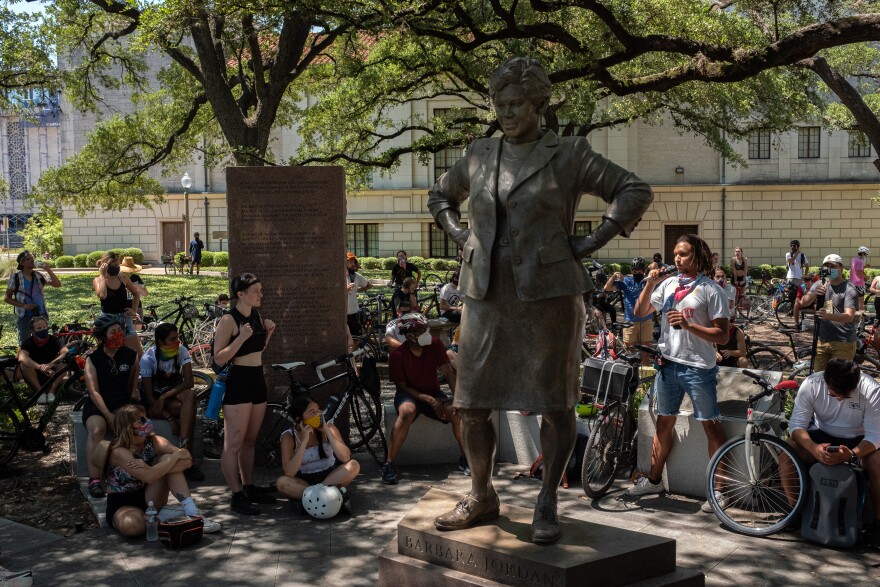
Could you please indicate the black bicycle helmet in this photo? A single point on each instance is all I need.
(103, 324)
(638, 263)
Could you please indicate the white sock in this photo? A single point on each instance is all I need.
(189, 507)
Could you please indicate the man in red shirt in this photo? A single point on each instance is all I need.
(413, 369)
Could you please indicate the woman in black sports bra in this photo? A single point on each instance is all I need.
(112, 287)
(739, 264)
(239, 341)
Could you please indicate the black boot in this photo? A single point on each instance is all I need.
(254, 495)
(242, 505)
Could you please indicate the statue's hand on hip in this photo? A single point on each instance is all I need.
(581, 246)
(461, 236)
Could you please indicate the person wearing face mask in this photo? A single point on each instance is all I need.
(838, 302)
(412, 367)
(167, 383)
(313, 452)
(111, 378)
(144, 467)
(119, 297)
(38, 358)
(857, 275)
(403, 269)
(25, 292)
(641, 331)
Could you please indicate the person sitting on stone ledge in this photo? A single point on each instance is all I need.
(167, 382)
(313, 452)
(144, 467)
(39, 357)
(412, 367)
(450, 300)
(394, 339)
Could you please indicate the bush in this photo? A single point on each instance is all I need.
(779, 271)
(119, 253)
(64, 261)
(93, 258)
(442, 264)
(207, 259)
(135, 253)
(418, 262)
(370, 263)
(43, 233)
(610, 268)
(756, 271)
(388, 263)
(81, 261)
(221, 259)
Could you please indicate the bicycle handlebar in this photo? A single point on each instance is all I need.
(337, 361)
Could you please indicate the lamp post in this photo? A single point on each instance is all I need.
(207, 225)
(186, 181)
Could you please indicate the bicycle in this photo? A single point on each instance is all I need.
(744, 483)
(19, 426)
(763, 287)
(603, 345)
(183, 316)
(430, 303)
(614, 438)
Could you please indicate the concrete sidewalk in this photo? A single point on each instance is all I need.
(283, 547)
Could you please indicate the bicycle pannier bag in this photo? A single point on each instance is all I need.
(832, 514)
(605, 381)
(181, 531)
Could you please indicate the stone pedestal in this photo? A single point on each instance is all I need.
(500, 553)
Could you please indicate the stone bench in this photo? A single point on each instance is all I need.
(685, 471)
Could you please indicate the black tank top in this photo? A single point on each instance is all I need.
(116, 300)
(257, 342)
(739, 266)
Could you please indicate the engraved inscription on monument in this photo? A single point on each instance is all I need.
(287, 226)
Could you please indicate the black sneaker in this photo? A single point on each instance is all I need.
(254, 495)
(463, 465)
(194, 473)
(240, 504)
(874, 536)
(346, 501)
(389, 474)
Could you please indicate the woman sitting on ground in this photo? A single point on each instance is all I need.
(111, 378)
(144, 467)
(313, 452)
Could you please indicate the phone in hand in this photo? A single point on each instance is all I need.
(832, 449)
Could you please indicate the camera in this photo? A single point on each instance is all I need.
(824, 272)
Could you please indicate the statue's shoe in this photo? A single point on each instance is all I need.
(545, 526)
(468, 512)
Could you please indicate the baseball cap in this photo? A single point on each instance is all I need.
(833, 258)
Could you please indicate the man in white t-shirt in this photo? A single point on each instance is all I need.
(836, 419)
(355, 283)
(797, 263)
(695, 317)
(450, 300)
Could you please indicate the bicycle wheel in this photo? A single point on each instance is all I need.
(202, 355)
(602, 454)
(212, 430)
(799, 374)
(365, 429)
(267, 449)
(755, 499)
(10, 434)
(431, 279)
(784, 314)
(760, 308)
(768, 359)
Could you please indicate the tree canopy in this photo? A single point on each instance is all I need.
(346, 74)
(26, 57)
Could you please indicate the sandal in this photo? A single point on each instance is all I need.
(95, 488)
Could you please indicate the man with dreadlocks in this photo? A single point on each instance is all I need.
(695, 318)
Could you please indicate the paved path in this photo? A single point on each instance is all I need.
(283, 547)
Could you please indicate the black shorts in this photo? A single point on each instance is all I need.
(820, 437)
(354, 324)
(245, 385)
(117, 501)
(421, 407)
(317, 476)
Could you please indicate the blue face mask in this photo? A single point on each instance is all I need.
(834, 273)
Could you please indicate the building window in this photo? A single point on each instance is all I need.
(858, 144)
(808, 142)
(440, 244)
(759, 144)
(583, 228)
(362, 239)
(445, 159)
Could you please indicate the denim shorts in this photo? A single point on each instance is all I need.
(125, 321)
(675, 379)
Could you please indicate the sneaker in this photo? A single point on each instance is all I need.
(257, 495)
(389, 474)
(209, 526)
(50, 397)
(644, 487)
(194, 473)
(720, 498)
(95, 488)
(240, 504)
(170, 510)
(42, 400)
(346, 501)
(463, 466)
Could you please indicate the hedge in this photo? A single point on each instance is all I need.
(94, 256)
(221, 259)
(64, 261)
(81, 261)
(135, 253)
(207, 258)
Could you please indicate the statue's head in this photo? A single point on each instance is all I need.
(527, 73)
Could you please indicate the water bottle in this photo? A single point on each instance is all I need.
(212, 412)
(152, 523)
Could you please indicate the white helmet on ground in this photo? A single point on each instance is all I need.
(864, 250)
(322, 501)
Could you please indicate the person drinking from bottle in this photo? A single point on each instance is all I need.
(144, 467)
(241, 337)
(25, 292)
(113, 288)
(694, 319)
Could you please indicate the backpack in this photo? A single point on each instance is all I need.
(370, 376)
(832, 513)
(572, 469)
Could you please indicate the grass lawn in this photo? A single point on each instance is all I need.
(76, 289)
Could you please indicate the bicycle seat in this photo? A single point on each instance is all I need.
(287, 366)
(151, 307)
(8, 361)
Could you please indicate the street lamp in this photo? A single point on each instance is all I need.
(186, 181)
